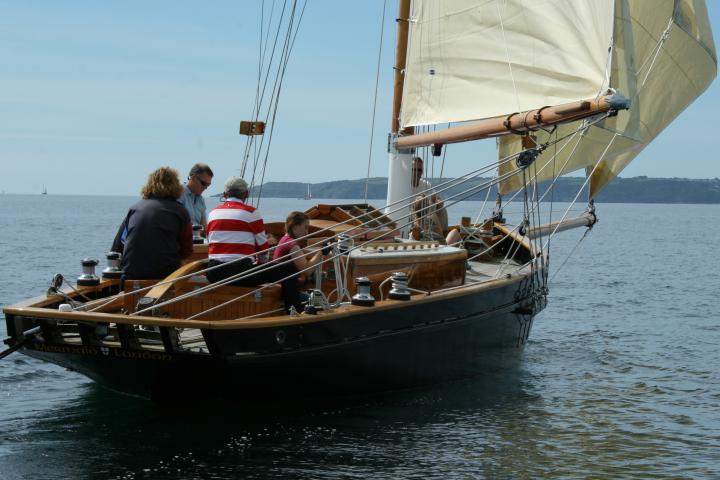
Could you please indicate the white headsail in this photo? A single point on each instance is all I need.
(663, 58)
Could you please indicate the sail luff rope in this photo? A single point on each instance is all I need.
(375, 96)
(658, 47)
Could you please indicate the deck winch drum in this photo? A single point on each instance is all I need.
(88, 277)
(399, 289)
(112, 271)
(363, 296)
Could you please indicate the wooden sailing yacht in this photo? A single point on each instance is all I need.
(551, 81)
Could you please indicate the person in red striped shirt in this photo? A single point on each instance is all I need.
(237, 242)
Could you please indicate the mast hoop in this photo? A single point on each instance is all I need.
(508, 124)
(538, 115)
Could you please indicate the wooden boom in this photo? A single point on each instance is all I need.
(587, 219)
(520, 122)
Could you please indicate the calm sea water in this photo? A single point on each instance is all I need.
(620, 378)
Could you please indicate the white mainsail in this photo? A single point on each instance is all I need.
(474, 59)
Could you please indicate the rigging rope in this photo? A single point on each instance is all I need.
(260, 94)
(290, 22)
(570, 254)
(277, 97)
(507, 55)
(375, 96)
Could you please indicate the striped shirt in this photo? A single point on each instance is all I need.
(235, 230)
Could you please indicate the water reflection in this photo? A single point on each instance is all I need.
(457, 427)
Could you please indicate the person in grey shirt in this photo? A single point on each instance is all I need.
(199, 179)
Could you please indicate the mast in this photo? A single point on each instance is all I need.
(399, 161)
(403, 27)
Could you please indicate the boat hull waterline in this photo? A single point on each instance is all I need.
(436, 339)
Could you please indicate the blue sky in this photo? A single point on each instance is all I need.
(95, 95)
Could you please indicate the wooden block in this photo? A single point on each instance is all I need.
(252, 128)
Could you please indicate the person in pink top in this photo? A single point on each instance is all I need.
(297, 225)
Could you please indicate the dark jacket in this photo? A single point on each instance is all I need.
(153, 239)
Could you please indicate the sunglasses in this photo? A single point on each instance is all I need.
(202, 182)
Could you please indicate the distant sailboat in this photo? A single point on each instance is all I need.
(308, 195)
(44, 191)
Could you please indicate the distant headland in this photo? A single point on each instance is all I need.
(621, 190)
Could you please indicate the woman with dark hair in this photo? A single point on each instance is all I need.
(156, 233)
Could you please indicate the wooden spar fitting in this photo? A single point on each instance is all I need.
(403, 20)
(517, 122)
(587, 219)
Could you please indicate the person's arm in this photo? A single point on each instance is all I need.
(301, 262)
(261, 240)
(118, 244)
(203, 220)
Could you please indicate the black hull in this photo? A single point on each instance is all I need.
(411, 344)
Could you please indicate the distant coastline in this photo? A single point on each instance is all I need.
(621, 190)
